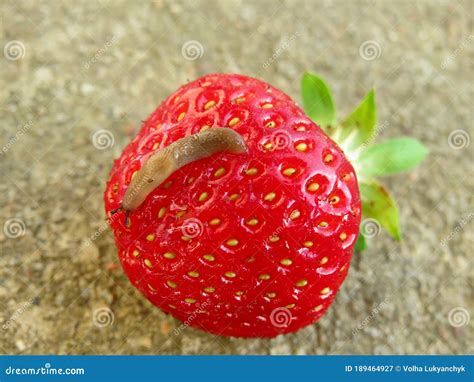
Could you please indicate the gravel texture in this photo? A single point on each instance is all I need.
(71, 68)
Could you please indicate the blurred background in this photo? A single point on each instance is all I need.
(74, 71)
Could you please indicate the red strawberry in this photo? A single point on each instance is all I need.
(249, 244)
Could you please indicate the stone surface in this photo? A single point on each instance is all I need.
(82, 67)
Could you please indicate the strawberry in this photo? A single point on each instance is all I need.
(249, 241)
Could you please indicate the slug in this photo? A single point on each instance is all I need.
(161, 164)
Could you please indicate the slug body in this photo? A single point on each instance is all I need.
(166, 161)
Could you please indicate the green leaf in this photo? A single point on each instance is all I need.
(360, 126)
(317, 100)
(390, 157)
(360, 243)
(379, 205)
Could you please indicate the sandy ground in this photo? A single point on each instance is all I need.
(84, 66)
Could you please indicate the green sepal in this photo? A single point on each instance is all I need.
(360, 244)
(379, 205)
(390, 157)
(355, 135)
(317, 100)
(360, 127)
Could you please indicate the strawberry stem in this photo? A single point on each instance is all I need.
(355, 135)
